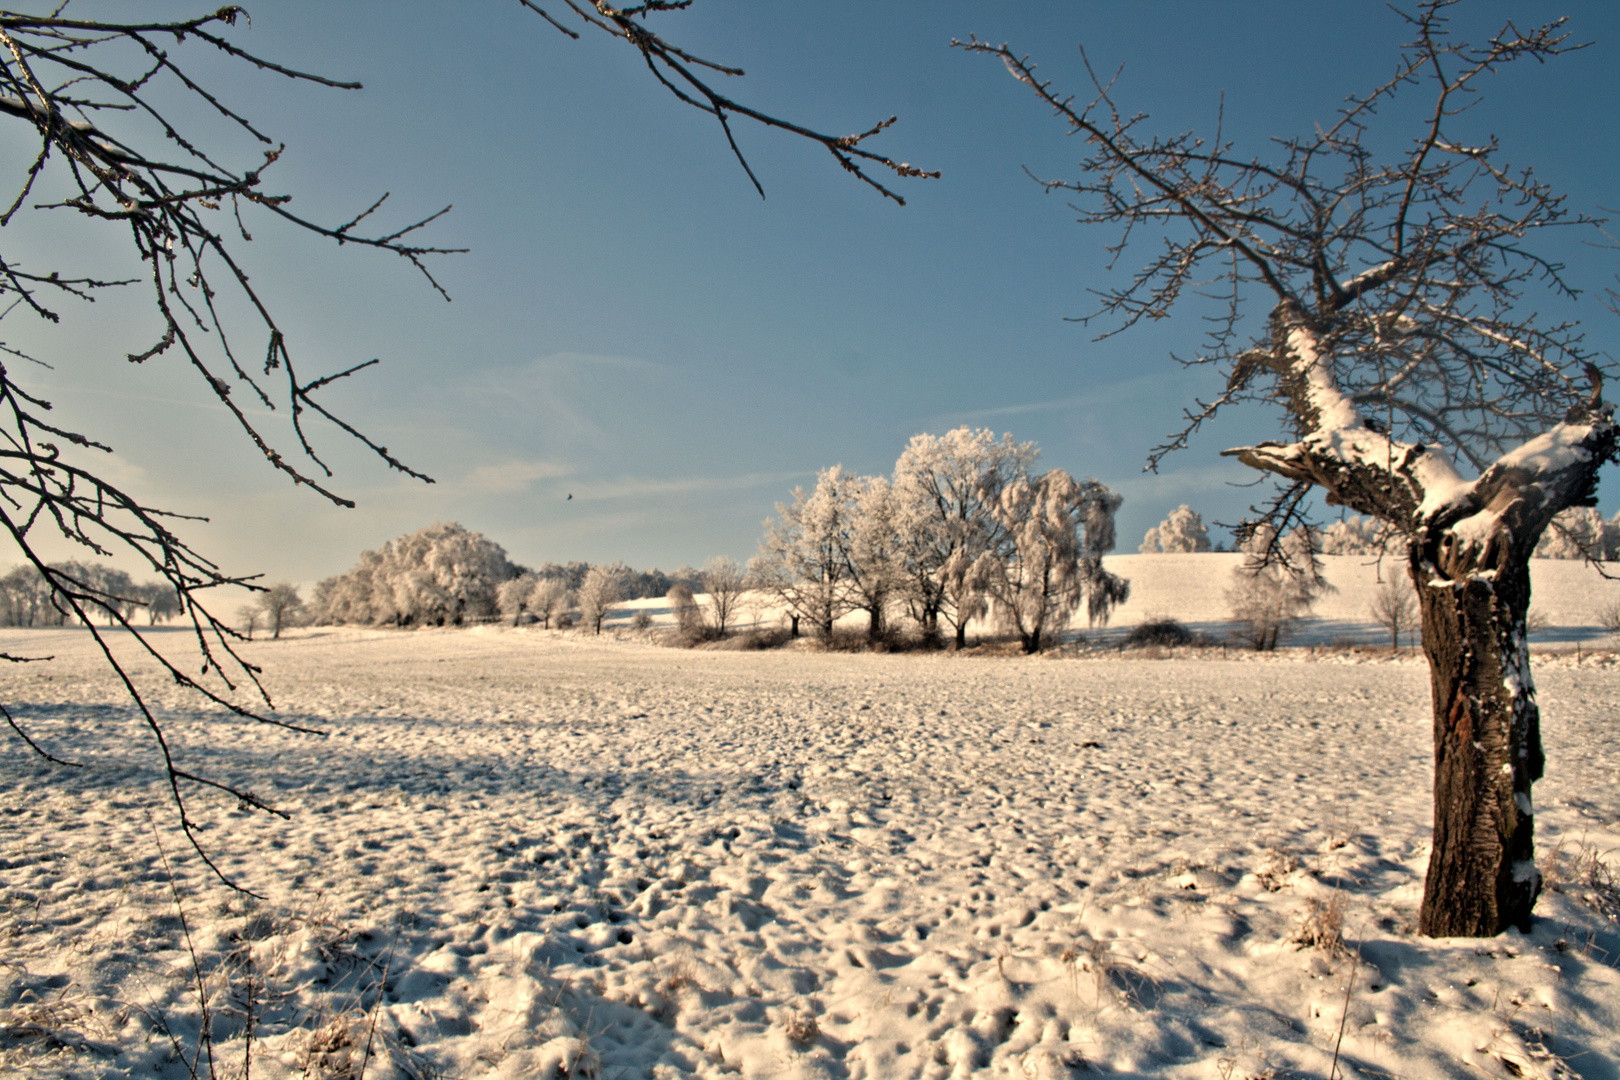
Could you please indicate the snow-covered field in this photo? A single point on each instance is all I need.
(525, 854)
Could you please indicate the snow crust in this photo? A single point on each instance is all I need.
(558, 855)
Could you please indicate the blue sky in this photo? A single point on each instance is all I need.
(634, 326)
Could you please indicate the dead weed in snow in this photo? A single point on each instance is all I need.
(1322, 926)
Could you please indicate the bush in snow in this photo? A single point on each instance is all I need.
(688, 617)
(1163, 632)
(1182, 531)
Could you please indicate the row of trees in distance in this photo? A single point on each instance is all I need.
(1579, 532)
(963, 529)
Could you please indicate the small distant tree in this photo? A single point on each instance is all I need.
(1275, 586)
(548, 598)
(1394, 607)
(513, 595)
(247, 617)
(280, 604)
(688, 617)
(602, 588)
(162, 602)
(1182, 531)
(723, 580)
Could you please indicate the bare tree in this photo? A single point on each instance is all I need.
(1420, 385)
(1394, 607)
(118, 112)
(248, 616)
(723, 580)
(280, 604)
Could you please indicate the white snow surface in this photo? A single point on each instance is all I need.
(519, 853)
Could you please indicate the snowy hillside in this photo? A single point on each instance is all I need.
(1192, 588)
(521, 854)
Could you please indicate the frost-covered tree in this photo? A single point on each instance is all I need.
(1579, 533)
(103, 590)
(1182, 531)
(548, 598)
(724, 581)
(602, 588)
(512, 595)
(1373, 288)
(1058, 528)
(873, 551)
(1276, 585)
(801, 557)
(26, 597)
(1355, 535)
(281, 604)
(688, 616)
(443, 574)
(947, 487)
(446, 573)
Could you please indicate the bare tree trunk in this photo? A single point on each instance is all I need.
(1482, 875)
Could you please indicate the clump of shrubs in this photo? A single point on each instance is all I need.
(1161, 633)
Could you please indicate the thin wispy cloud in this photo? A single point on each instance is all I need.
(513, 476)
(646, 487)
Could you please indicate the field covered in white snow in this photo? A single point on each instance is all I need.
(522, 854)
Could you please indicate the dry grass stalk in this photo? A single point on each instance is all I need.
(800, 1026)
(1322, 926)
